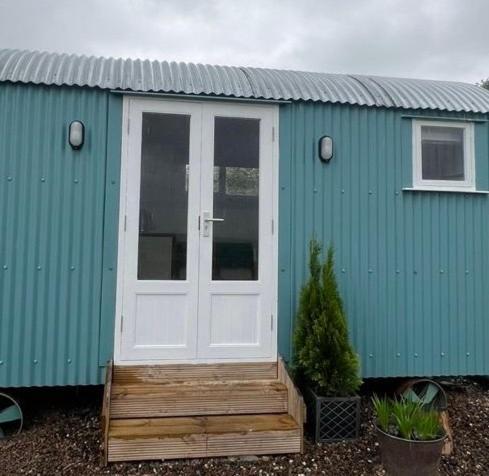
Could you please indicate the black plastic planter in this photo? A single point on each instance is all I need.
(333, 418)
(402, 457)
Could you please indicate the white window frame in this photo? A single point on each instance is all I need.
(469, 158)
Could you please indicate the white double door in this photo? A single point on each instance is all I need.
(197, 250)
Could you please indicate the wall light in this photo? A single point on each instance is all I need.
(325, 148)
(76, 135)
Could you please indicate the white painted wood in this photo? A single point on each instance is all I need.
(441, 189)
(196, 320)
(159, 316)
(469, 158)
(235, 316)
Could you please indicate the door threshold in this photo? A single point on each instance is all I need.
(195, 361)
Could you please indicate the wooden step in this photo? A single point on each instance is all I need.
(200, 410)
(198, 398)
(206, 436)
(158, 374)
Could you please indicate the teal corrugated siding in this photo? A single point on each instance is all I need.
(56, 205)
(413, 267)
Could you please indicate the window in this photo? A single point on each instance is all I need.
(443, 155)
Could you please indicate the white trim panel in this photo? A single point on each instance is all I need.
(469, 158)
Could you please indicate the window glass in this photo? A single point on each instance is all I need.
(162, 251)
(236, 199)
(242, 181)
(442, 150)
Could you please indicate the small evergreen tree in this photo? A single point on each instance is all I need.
(484, 83)
(323, 357)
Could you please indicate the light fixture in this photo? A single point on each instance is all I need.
(325, 148)
(76, 135)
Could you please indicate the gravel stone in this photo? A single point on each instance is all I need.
(62, 436)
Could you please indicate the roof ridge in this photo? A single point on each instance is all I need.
(54, 68)
(244, 70)
(239, 67)
(381, 87)
(364, 86)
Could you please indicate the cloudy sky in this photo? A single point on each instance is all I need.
(440, 39)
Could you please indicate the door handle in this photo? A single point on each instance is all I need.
(207, 219)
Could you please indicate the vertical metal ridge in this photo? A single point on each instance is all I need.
(411, 267)
(51, 216)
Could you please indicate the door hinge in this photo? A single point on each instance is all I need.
(125, 222)
(271, 323)
(273, 227)
(128, 125)
(273, 134)
(122, 320)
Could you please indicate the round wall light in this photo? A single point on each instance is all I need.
(76, 135)
(326, 148)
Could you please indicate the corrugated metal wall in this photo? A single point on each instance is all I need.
(52, 207)
(413, 267)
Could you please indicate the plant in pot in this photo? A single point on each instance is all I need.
(325, 364)
(411, 437)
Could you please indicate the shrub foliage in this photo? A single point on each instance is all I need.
(323, 357)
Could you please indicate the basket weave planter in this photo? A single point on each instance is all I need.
(333, 418)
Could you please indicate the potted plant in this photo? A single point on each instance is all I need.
(324, 362)
(411, 437)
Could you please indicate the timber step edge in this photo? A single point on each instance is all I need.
(160, 374)
(198, 398)
(209, 436)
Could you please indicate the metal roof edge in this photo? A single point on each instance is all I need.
(39, 67)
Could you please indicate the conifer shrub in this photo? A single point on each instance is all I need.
(324, 359)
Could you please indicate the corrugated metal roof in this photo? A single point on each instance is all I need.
(187, 78)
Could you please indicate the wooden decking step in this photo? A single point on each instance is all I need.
(198, 398)
(205, 436)
(200, 410)
(158, 374)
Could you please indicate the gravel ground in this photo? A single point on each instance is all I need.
(62, 437)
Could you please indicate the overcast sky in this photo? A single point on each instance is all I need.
(440, 39)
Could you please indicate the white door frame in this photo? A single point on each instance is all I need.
(219, 330)
(121, 262)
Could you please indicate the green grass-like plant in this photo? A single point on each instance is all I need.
(404, 412)
(383, 410)
(407, 419)
(427, 426)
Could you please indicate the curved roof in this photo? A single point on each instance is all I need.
(241, 82)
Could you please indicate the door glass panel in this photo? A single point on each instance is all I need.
(236, 199)
(162, 251)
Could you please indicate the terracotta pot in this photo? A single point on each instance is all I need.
(402, 457)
